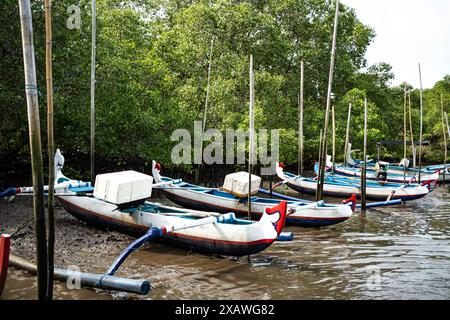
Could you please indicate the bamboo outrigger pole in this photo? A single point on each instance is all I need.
(93, 47)
(445, 139)
(35, 145)
(364, 168)
(421, 124)
(347, 132)
(300, 123)
(51, 147)
(251, 145)
(404, 135)
(327, 111)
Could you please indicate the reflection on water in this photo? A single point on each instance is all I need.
(398, 252)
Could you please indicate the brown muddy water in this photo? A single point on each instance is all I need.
(400, 252)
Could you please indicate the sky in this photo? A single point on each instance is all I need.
(408, 32)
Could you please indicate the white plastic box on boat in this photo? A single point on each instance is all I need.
(237, 184)
(123, 187)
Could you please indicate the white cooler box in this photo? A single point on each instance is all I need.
(123, 187)
(237, 184)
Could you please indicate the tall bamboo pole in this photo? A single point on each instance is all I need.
(327, 110)
(320, 154)
(205, 109)
(404, 135)
(445, 138)
(411, 131)
(333, 124)
(318, 163)
(347, 132)
(364, 168)
(251, 146)
(446, 121)
(51, 169)
(93, 48)
(421, 124)
(300, 122)
(35, 144)
(448, 135)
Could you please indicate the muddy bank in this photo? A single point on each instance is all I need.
(93, 250)
(77, 245)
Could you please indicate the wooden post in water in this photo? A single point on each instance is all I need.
(445, 138)
(251, 145)
(347, 132)
(411, 131)
(404, 135)
(93, 47)
(327, 110)
(318, 163)
(333, 124)
(300, 123)
(363, 173)
(35, 145)
(205, 110)
(421, 125)
(446, 121)
(51, 147)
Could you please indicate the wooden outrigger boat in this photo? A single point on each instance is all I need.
(208, 232)
(395, 173)
(304, 213)
(213, 233)
(4, 259)
(343, 187)
(391, 177)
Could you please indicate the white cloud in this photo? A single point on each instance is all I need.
(408, 32)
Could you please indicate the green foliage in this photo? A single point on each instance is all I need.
(152, 61)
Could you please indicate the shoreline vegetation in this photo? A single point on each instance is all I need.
(152, 67)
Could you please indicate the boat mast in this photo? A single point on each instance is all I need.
(51, 147)
(364, 168)
(421, 124)
(347, 131)
(251, 138)
(31, 91)
(327, 110)
(445, 138)
(93, 47)
(300, 122)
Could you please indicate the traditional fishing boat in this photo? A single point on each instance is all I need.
(303, 213)
(209, 232)
(4, 259)
(343, 187)
(213, 233)
(394, 172)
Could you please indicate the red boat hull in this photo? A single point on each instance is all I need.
(4, 259)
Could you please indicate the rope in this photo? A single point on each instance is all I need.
(33, 88)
